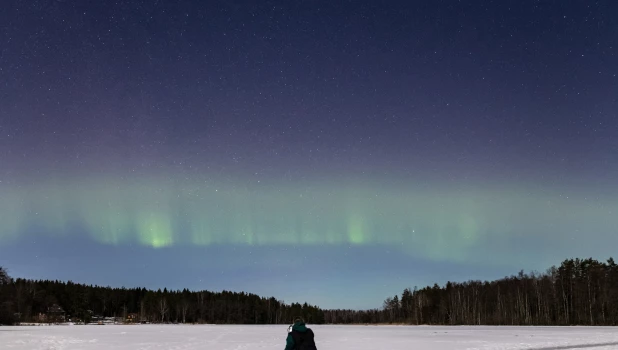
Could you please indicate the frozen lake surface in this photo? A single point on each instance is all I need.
(224, 337)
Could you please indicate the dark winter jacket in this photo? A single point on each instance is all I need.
(300, 334)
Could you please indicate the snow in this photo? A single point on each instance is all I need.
(225, 337)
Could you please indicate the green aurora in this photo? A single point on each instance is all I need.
(445, 225)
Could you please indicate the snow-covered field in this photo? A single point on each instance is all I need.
(176, 337)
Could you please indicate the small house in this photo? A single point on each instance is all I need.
(132, 318)
(56, 314)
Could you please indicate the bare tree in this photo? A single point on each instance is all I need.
(184, 309)
(142, 312)
(201, 306)
(124, 313)
(163, 308)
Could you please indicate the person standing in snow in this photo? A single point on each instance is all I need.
(299, 336)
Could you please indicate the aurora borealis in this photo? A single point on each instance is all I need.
(380, 146)
(448, 225)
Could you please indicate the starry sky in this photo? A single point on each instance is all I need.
(334, 152)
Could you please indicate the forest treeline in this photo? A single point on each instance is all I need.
(578, 292)
(24, 300)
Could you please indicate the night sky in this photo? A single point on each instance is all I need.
(333, 152)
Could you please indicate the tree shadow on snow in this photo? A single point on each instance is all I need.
(582, 346)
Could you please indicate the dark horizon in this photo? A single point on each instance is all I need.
(413, 287)
(576, 292)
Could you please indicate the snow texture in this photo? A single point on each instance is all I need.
(181, 337)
